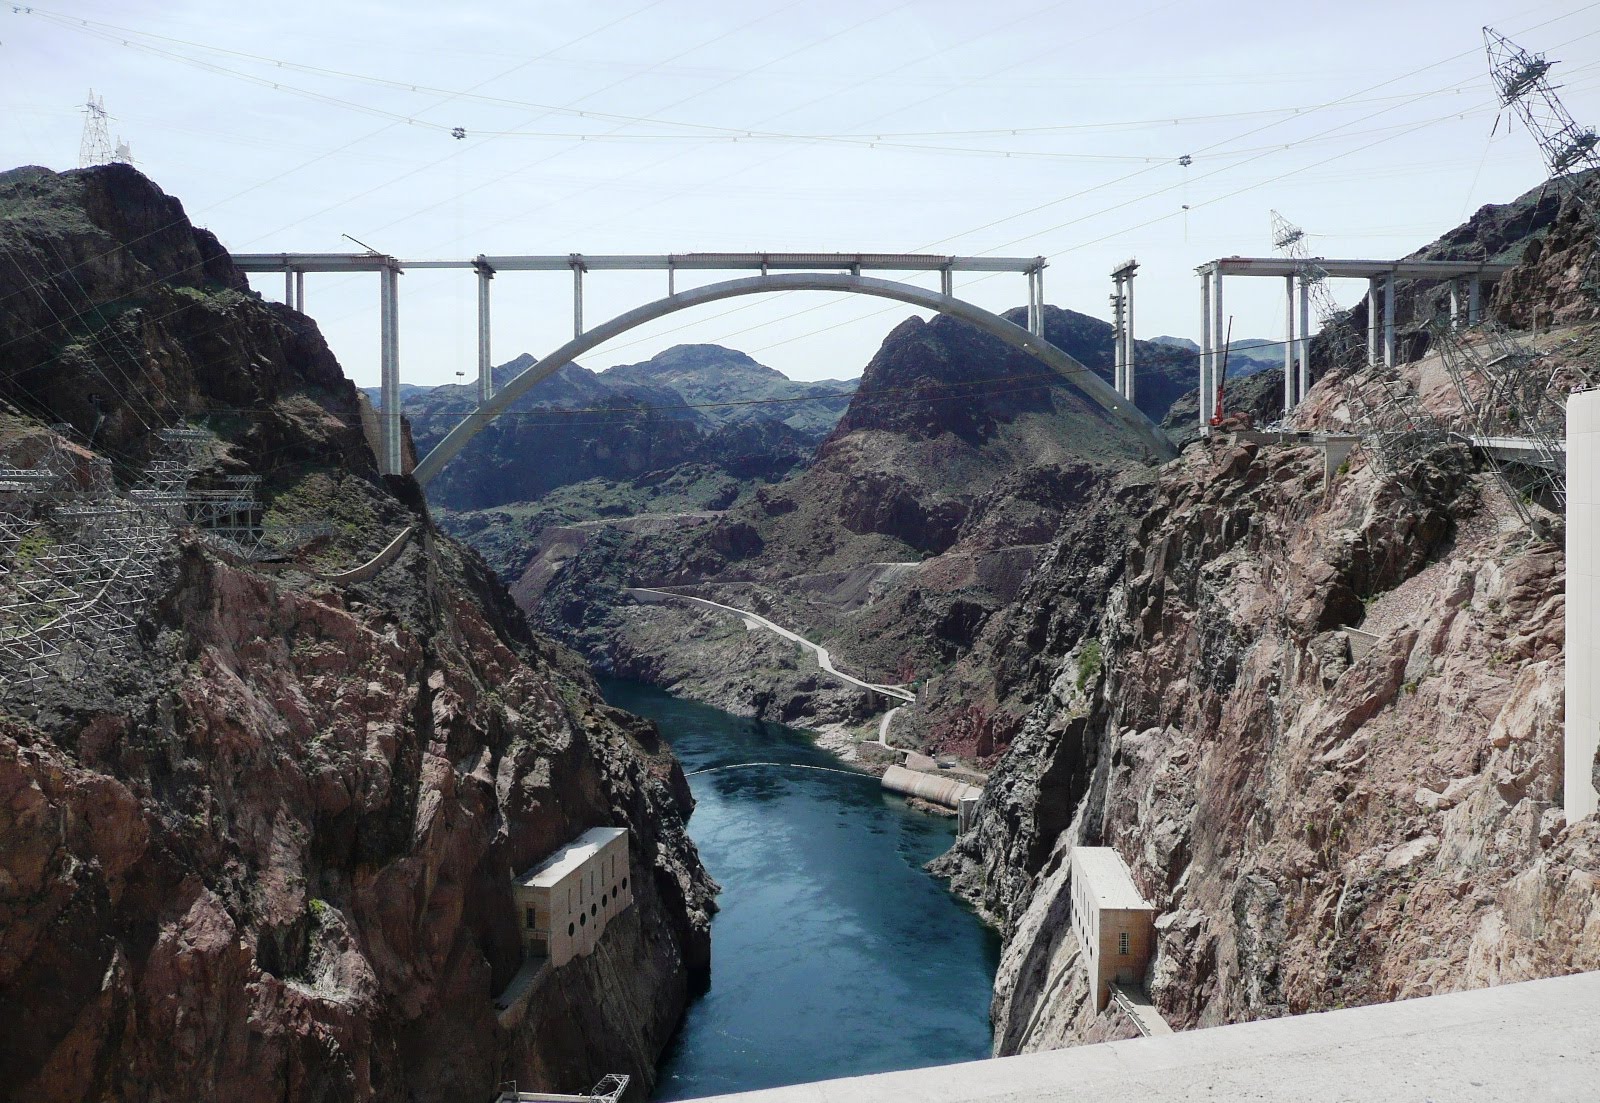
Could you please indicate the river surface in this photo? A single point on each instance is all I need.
(834, 953)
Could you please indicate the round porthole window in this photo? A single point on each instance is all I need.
(583, 920)
(594, 909)
(624, 882)
(572, 929)
(604, 899)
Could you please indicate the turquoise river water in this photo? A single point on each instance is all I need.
(834, 953)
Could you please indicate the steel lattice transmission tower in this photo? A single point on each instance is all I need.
(95, 148)
(1523, 82)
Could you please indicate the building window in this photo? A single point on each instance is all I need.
(1122, 943)
(593, 908)
(583, 920)
(604, 897)
(530, 919)
(572, 929)
(624, 882)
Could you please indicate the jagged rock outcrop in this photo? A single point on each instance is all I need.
(264, 850)
(1324, 732)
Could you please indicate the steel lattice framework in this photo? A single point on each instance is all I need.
(1513, 407)
(78, 560)
(1522, 79)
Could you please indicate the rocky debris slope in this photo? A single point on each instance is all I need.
(1323, 726)
(266, 850)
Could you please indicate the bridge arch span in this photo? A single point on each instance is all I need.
(1156, 442)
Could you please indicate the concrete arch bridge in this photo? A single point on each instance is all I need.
(837, 272)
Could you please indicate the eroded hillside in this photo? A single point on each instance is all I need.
(263, 847)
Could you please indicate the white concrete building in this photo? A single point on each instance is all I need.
(1583, 605)
(565, 902)
(1114, 923)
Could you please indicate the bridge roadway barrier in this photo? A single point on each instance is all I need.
(1531, 1041)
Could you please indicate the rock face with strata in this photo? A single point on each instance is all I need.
(1320, 823)
(265, 850)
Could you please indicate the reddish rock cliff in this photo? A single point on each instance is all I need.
(264, 850)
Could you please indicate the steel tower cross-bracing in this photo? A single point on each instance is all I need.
(1522, 80)
(95, 146)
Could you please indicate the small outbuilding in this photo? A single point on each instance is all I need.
(565, 902)
(1114, 923)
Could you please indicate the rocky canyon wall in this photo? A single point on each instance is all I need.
(264, 848)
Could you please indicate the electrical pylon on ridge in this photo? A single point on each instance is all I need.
(95, 146)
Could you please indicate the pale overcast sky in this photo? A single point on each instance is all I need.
(1006, 128)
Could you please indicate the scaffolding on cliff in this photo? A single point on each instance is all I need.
(79, 561)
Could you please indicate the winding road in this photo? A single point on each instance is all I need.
(824, 660)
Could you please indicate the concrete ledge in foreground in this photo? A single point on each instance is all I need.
(1538, 1040)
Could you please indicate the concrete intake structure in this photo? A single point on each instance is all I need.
(565, 902)
(1114, 923)
(1579, 797)
(946, 791)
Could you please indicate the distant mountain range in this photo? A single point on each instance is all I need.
(1246, 356)
(702, 405)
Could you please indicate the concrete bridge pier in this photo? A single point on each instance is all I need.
(1304, 384)
(485, 367)
(1288, 345)
(1122, 340)
(1372, 322)
(1205, 349)
(391, 462)
(1388, 320)
(1219, 348)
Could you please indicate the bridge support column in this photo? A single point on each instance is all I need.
(577, 295)
(1388, 320)
(1372, 322)
(1205, 349)
(1455, 304)
(389, 364)
(1038, 295)
(1474, 294)
(1118, 345)
(288, 287)
(1304, 384)
(485, 367)
(1128, 389)
(1582, 736)
(1219, 347)
(947, 282)
(1288, 345)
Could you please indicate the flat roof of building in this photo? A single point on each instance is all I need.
(566, 860)
(1110, 884)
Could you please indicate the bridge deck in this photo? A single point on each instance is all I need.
(640, 262)
(1361, 269)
